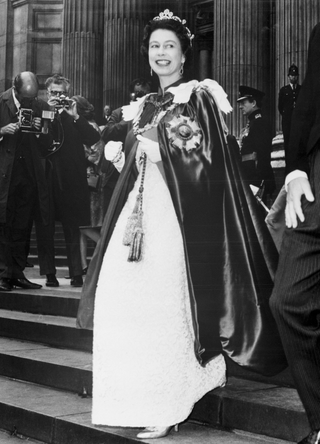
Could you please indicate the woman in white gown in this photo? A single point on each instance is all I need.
(148, 366)
(153, 377)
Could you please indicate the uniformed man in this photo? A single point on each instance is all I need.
(255, 141)
(288, 96)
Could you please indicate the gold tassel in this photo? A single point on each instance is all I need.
(131, 223)
(134, 235)
(136, 247)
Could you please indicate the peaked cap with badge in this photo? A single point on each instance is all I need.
(246, 92)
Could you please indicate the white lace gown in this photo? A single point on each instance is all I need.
(145, 372)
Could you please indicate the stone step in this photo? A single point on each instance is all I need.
(13, 437)
(60, 260)
(58, 331)
(58, 368)
(250, 406)
(60, 248)
(61, 301)
(58, 417)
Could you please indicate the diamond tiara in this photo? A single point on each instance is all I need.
(168, 15)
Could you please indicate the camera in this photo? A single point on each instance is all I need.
(63, 102)
(26, 116)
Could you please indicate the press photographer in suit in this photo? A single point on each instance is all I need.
(66, 171)
(22, 180)
(295, 300)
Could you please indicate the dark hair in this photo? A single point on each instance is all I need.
(58, 79)
(175, 26)
(146, 84)
(84, 107)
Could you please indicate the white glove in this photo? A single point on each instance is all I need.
(112, 149)
(113, 153)
(151, 148)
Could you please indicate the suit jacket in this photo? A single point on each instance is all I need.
(305, 123)
(34, 148)
(69, 167)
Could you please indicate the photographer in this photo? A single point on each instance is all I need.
(23, 187)
(66, 172)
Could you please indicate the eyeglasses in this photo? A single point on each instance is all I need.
(57, 93)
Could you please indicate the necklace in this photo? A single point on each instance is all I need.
(159, 113)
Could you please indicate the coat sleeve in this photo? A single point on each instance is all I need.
(89, 135)
(116, 128)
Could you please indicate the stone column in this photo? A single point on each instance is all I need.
(6, 44)
(241, 54)
(203, 31)
(82, 49)
(295, 20)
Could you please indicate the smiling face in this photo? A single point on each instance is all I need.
(165, 56)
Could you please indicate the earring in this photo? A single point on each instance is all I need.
(181, 69)
(151, 72)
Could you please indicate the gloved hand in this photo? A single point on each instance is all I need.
(151, 148)
(112, 150)
(113, 153)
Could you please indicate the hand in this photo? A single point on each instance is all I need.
(52, 102)
(37, 123)
(151, 148)
(11, 129)
(72, 111)
(296, 189)
(112, 150)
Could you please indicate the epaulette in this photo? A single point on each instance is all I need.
(257, 116)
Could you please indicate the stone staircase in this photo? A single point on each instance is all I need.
(46, 383)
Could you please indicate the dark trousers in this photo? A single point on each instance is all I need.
(45, 235)
(295, 301)
(15, 233)
(46, 248)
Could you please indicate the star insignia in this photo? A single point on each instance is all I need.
(184, 133)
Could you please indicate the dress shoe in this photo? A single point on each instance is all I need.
(76, 281)
(5, 284)
(312, 438)
(28, 264)
(25, 284)
(156, 432)
(84, 272)
(52, 281)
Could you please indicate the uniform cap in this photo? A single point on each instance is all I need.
(246, 92)
(293, 70)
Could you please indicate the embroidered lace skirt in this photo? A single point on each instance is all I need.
(144, 367)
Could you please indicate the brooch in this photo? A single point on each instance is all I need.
(184, 133)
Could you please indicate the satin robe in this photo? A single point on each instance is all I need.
(230, 256)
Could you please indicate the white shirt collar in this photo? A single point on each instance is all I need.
(16, 101)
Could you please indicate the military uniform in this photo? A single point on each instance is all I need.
(255, 146)
(288, 96)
